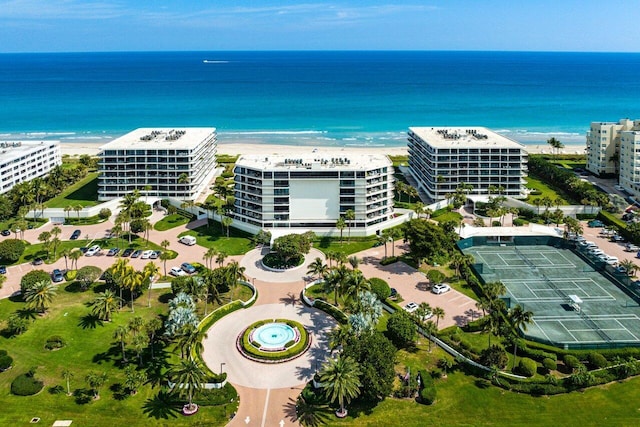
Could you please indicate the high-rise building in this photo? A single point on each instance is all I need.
(312, 191)
(441, 159)
(604, 146)
(161, 162)
(23, 161)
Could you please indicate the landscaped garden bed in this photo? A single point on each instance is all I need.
(276, 341)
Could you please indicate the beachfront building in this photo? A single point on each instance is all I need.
(442, 159)
(25, 160)
(604, 148)
(629, 161)
(312, 191)
(162, 162)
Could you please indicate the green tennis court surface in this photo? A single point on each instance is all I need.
(573, 305)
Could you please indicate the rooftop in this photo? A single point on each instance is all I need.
(464, 137)
(10, 150)
(324, 160)
(161, 138)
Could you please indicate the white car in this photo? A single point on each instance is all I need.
(411, 307)
(177, 271)
(440, 288)
(618, 187)
(630, 247)
(146, 254)
(93, 250)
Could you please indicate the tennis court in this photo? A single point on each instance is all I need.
(574, 306)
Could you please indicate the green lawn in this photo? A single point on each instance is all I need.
(171, 221)
(90, 347)
(535, 183)
(238, 242)
(83, 192)
(347, 246)
(448, 216)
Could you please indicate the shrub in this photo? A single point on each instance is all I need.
(17, 324)
(401, 329)
(104, 213)
(597, 360)
(380, 288)
(54, 343)
(496, 224)
(527, 367)
(87, 275)
(31, 278)
(571, 362)
(389, 260)
(26, 385)
(549, 364)
(11, 250)
(5, 361)
(331, 311)
(70, 275)
(494, 356)
(428, 395)
(519, 222)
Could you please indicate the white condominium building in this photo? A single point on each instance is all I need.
(24, 161)
(161, 162)
(443, 158)
(312, 191)
(630, 161)
(604, 145)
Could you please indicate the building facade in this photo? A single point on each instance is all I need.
(24, 161)
(311, 192)
(159, 162)
(441, 159)
(604, 145)
(629, 161)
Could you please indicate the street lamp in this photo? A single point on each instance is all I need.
(221, 365)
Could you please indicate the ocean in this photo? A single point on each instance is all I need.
(315, 98)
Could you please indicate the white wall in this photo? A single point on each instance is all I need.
(314, 199)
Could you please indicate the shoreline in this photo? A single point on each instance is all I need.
(237, 148)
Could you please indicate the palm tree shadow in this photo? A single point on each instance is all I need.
(307, 412)
(107, 356)
(290, 299)
(27, 313)
(90, 321)
(156, 368)
(161, 406)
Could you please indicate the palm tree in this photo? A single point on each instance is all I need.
(519, 319)
(132, 280)
(184, 179)
(332, 283)
(317, 268)
(153, 326)
(67, 375)
(65, 253)
(339, 336)
(149, 271)
(78, 209)
(190, 341)
(133, 379)
(75, 255)
(135, 325)
(164, 257)
(140, 341)
(40, 295)
(340, 225)
(356, 283)
(95, 381)
(382, 239)
(350, 216)
(189, 376)
(341, 382)
(208, 256)
(121, 334)
(104, 304)
(226, 222)
(629, 267)
(419, 208)
(220, 257)
(430, 329)
(165, 244)
(438, 312)
(67, 210)
(354, 261)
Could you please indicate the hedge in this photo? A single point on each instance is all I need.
(389, 260)
(216, 396)
(26, 385)
(380, 288)
(31, 278)
(549, 364)
(527, 367)
(428, 391)
(11, 250)
(279, 355)
(597, 360)
(571, 362)
(332, 311)
(5, 361)
(54, 343)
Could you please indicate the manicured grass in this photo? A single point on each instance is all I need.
(536, 183)
(90, 220)
(171, 221)
(238, 242)
(36, 250)
(448, 216)
(347, 246)
(90, 347)
(399, 160)
(83, 192)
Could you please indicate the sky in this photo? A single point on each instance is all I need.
(208, 25)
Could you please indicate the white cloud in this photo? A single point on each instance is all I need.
(60, 9)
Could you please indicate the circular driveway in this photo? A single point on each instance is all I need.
(252, 261)
(220, 347)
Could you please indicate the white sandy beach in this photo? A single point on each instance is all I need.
(80, 148)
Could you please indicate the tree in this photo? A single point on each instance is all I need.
(341, 225)
(149, 271)
(133, 379)
(95, 381)
(354, 261)
(291, 246)
(67, 375)
(350, 216)
(317, 268)
(74, 256)
(104, 304)
(87, 275)
(30, 279)
(153, 326)
(11, 250)
(430, 329)
(445, 364)
(132, 280)
(355, 284)
(121, 334)
(438, 313)
(40, 295)
(140, 341)
(220, 257)
(184, 179)
(340, 380)
(519, 319)
(401, 329)
(189, 376)
(333, 282)
(226, 222)
(435, 276)
(426, 240)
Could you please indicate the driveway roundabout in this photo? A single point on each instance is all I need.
(252, 262)
(220, 347)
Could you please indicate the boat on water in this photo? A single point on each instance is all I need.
(214, 61)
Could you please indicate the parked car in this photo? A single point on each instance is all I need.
(630, 247)
(113, 251)
(411, 307)
(394, 294)
(146, 254)
(136, 253)
(155, 254)
(38, 261)
(188, 268)
(75, 234)
(84, 249)
(3, 269)
(93, 250)
(440, 288)
(618, 239)
(618, 187)
(5, 232)
(595, 223)
(177, 271)
(620, 270)
(127, 252)
(188, 240)
(611, 260)
(57, 276)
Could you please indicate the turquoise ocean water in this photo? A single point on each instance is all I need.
(315, 98)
